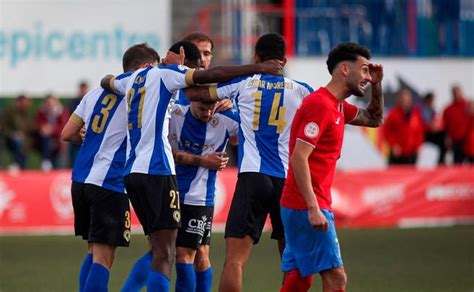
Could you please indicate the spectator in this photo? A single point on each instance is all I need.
(50, 120)
(455, 123)
(17, 128)
(403, 130)
(432, 124)
(73, 149)
(469, 141)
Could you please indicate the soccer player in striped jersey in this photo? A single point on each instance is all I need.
(101, 207)
(149, 171)
(267, 105)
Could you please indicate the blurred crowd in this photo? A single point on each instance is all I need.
(408, 125)
(25, 129)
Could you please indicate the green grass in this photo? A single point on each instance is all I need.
(435, 259)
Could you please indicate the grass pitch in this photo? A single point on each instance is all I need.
(433, 259)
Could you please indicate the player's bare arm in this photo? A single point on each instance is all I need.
(372, 116)
(299, 162)
(223, 105)
(108, 82)
(72, 130)
(225, 73)
(214, 160)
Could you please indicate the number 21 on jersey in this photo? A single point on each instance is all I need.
(130, 96)
(277, 114)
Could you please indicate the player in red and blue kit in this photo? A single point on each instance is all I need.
(315, 145)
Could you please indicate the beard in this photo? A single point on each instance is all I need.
(355, 90)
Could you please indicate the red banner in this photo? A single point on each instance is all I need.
(37, 202)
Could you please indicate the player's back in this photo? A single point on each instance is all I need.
(267, 105)
(101, 158)
(148, 105)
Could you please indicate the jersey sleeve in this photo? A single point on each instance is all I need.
(232, 122)
(350, 112)
(313, 122)
(174, 124)
(78, 117)
(176, 77)
(229, 89)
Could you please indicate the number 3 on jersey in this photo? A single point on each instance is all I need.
(277, 114)
(99, 121)
(130, 96)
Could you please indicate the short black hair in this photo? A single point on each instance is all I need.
(190, 50)
(270, 46)
(199, 37)
(346, 52)
(137, 55)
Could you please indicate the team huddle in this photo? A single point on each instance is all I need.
(156, 135)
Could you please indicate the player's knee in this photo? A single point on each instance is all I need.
(336, 278)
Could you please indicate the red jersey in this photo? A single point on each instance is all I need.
(319, 122)
(455, 120)
(406, 131)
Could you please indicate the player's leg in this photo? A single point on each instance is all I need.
(81, 228)
(109, 228)
(103, 257)
(85, 268)
(156, 203)
(164, 253)
(237, 252)
(294, 282)
(334, 280)
(185, 277)
(247, 215)
(203, 269)
(202, 262)
(138, 276)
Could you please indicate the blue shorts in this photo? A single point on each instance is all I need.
(307, 249)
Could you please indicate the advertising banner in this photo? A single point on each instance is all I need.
(37, 202)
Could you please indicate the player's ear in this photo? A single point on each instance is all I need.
(256, 59)
(284, 61)
(344, 68)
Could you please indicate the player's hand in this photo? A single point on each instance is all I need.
(82, 133)
(317, 219)
(272, 67)
(215, 160)
(223, 105)
(376, 71)
(173, 58)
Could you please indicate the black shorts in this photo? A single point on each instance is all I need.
(155, 199)
(196, 226)
(101, 215)
(256, 195)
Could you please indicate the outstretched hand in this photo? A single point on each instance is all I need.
(223, 105)
(376, 71)
(173, 58)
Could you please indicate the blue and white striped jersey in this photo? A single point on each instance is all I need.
(197, 185)
(267, 105)
(101, 159)
(149, 92)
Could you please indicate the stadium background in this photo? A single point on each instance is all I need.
(49, 46)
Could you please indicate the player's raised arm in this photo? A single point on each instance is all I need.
(225, 73)
(107, 82)
(372, 116)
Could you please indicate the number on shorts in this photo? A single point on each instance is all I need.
(174, 204)
(128, 220)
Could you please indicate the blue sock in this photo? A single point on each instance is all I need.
(98, 279)
(204, 280)
(157, 282)
(185, 278)
(84, 272)
(138, 275)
